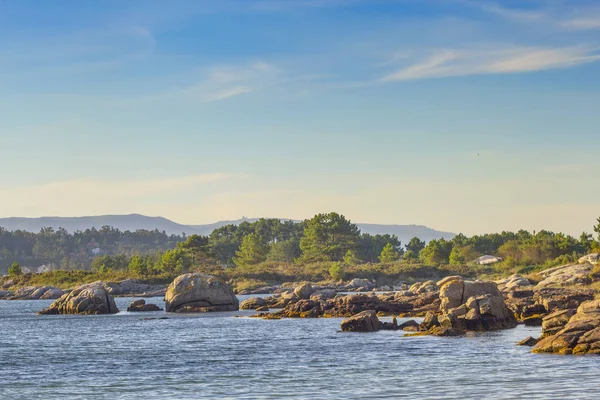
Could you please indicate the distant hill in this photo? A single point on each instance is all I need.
(133, 222)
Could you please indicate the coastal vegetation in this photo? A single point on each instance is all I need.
(325, 247)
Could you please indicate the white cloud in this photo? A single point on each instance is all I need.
(462, 62)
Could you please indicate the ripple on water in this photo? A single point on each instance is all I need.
(125, 356)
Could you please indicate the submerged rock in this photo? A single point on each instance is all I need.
(195, 292)
(92, 298)
(528, 341)
(140, 305)
(365, 321)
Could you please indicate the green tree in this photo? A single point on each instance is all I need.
(15, 269)
(437, 252)
(284, 251)
(175, 261)
(389, 254)
(461, 255)
(138, 266)
(336, 271)
(252, 251)
(328, 237)
(415, 246)
(597, 230)
(350, 258)
(586, 241)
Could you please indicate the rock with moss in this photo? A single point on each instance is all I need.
(92, 298)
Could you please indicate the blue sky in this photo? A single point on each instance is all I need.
(462, 115)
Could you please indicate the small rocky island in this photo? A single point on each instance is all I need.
(92, 298)
(197, 292)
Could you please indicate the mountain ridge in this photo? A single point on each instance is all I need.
(133, 222)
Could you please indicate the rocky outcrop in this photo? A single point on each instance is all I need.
(555, 321)
(140, 305)
(343, 306)
(566, 275)
(581, 335)
(590, 258)
(365, 321)
(469, 306)
(302, 309)
(423, 287)
(253, 303)
(512, 282)
(35, 293)
(195, 292)
(92, 298)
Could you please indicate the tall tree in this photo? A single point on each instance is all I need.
(252, 251)
(327, 237)
(389, 254)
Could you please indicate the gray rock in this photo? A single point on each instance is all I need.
(197, 292)
(92, 298)
(303, 291)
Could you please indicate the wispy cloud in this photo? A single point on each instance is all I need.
(226, 81)
(505, 12)
(582, 24)
(463, 62)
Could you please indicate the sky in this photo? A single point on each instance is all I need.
(463, 115)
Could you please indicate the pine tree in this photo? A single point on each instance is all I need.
(252, 251)
(328, 237)
(389, 254)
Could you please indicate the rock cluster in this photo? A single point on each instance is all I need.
(92, 298)
(580, 335)
(195, 292)
(469, 306)
(33, 293)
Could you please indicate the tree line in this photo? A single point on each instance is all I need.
(325, 238)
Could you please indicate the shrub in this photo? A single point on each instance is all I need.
(336, 271)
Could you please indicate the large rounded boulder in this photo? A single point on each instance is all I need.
(197, 292)
(92, 298)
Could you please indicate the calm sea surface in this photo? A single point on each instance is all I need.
(125, 356)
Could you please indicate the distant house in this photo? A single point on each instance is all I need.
(487, 259)
(96, 251)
